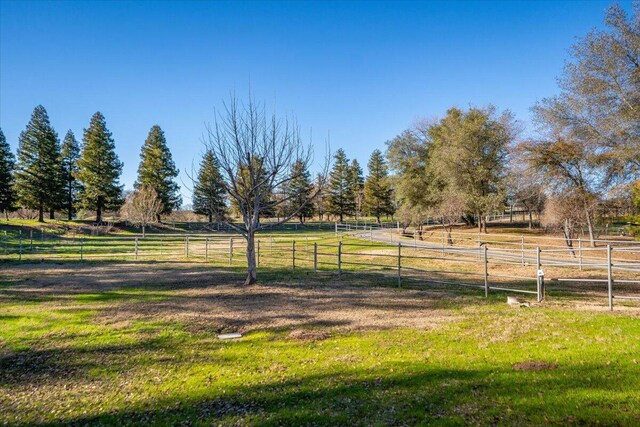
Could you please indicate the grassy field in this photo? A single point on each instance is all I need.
(136, 343)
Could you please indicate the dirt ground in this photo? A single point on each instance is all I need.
(213, 300)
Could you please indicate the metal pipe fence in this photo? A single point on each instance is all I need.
(489, 268)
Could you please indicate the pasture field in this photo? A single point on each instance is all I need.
(131, 343)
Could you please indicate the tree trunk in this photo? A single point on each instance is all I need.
(378, 219)
(511, 213)
(252, 269)
(99, 210)
(530, 220)
(568, 237)
(41, 214)
(210, 217)
(590, 228)
(143, 227)
(52, 214)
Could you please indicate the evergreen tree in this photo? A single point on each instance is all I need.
(356, 187)
(300, 191)
(158, 171)
(99, 168)
(7, 163)
(378, 195)
(244, 185)
(69, 164)
(38, 181)
(209, 192)
(340, 201)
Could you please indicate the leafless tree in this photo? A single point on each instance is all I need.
(256, 151)
(564, 212)
(142, 207)
(450, 210)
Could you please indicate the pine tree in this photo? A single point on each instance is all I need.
(158, 171)
(7, 164)
(340, 202)
(242, 181)
(209, 192)
(378, 195)
(38, 181)
(356, 187)
(300, 190)
(99, 168)
(69, 164)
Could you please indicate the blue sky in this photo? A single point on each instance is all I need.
(361, 71)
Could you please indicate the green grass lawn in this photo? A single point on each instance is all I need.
(129, 345)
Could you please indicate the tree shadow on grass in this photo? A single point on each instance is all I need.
(416, 395)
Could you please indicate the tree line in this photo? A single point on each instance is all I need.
(46, 175)
(49, 176)
(582, 168)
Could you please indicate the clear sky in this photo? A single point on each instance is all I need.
(362, 71)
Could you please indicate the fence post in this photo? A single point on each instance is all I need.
(293, 255)
(206, 249)
(609, 278)
(230, 250)
(522, 248)
(258, 254)
(486, 272)
(336, 223)
(135, 250)
(81, 250)
(580, 253)
(539, 279)
(339, 258)
(315, 257)
(399, 263)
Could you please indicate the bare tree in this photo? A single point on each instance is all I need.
(256, 151)
(450, 210)
(564, 212)
(142, 207)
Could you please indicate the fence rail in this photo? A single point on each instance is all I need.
(492, 269)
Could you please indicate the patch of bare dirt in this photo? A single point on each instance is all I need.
(534, 366)
(209, 300)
